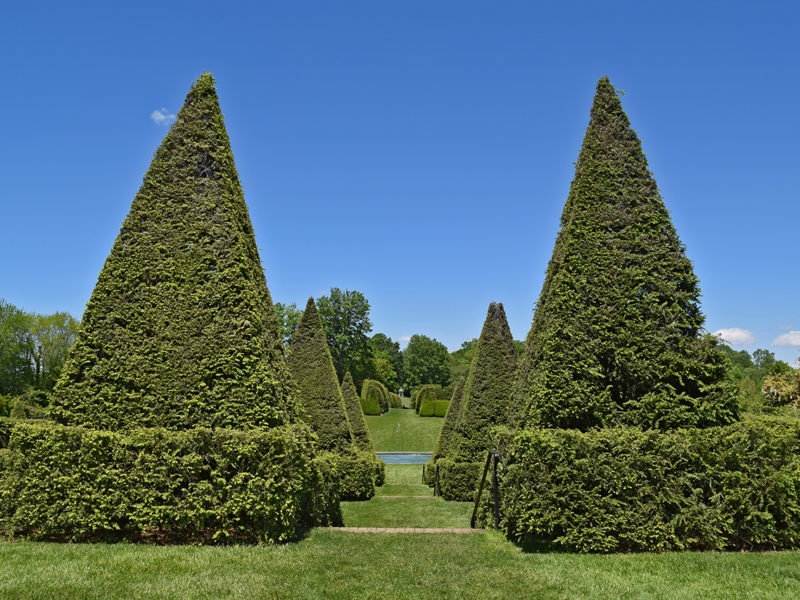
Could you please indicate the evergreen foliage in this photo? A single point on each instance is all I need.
(616, 337)
(373, 393)
(487, 392)
(450, 424)
(203, 485)
(180, 329)
(355, 415)
(625, 489)
(318, 389)
(426, 393)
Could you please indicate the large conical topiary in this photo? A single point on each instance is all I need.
(358, 425)
(488, 389)
(616, 335)
(180, 330)
(448, 430)
(318, 389)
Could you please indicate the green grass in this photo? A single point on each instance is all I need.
(401, 430)
(417, 507)
(407, 512)
(338, 565)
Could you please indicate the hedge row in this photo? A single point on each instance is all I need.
(70, 483)
(374, 394)
(434, 408)
(356, 473)
(458, 480)
(426, 392)
(624, 489)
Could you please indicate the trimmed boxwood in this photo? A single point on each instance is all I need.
(433, 408)
(355, 415)
(356, 473)
(624, 489)
(221, 485)
(373, 393)
(425, 392)
(459, 480)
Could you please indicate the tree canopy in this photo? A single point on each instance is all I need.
(345, 318)
(425, 360)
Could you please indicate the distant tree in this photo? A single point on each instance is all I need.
(16, 350)
(383, 347)
(345, 318)
(425, 360)
(53, 336)
(288, 319)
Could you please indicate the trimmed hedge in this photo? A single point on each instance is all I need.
(217, 486)
(318, 388)
(372, 396)
(624, 489)
(356, 473)
(459, 480)
(434, 408)
(448, 430)
(180, 331)
(426, 392)
(355, 415)
(395, 401)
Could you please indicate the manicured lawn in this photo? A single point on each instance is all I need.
(401, 430)
(338, 565)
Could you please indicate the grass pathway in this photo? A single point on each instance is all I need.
(404, 501)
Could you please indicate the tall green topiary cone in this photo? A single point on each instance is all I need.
(488, 389)
(180, 330)
(450, 423)
(318, 389)
(355, 415)
(616, 335)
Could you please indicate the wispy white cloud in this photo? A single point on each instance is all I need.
(404, 338)
(791, 338)
(161, 116)
(735, 336)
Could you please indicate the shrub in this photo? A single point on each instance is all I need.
(154, 484)
(488, 389)
(355, 415)
(356, 473)
(180, 330)
(317, 386)
(427, 409)
(426, 392)
(459, 480)
(374, 393)
(440, 408)
(395, 401)
(443, 442)
(624, 489)
(615, 338)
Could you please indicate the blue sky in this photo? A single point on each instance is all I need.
(418, 151)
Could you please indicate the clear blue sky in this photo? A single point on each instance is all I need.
(418, 151)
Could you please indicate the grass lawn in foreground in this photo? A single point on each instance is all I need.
(401, 430)
(337, 565)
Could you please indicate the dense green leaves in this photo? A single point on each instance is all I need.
(358, 425)
(487, 393)
(616, 332)
(624, 489)
(425, 360)
(317, 386)
(345, 318)
(71, 483)
(180, 330)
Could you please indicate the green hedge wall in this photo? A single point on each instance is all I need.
(624, 489)
(426, 392)
(373, 394)
(357, 473)
(218, 486)
(459, 480)
(433, 408)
